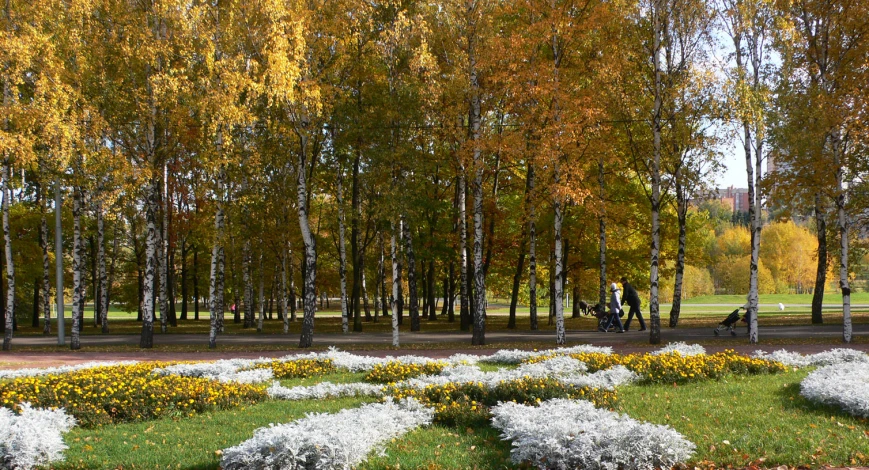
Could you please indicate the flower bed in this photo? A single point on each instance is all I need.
(843, 385)
(33, 437)
(327, 441)
(395, 371)
(300, 368)
(115, 394)
(574, 434)
(673, 367)
(468, 403)
(33, 372)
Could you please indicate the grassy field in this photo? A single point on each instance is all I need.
(737, 421)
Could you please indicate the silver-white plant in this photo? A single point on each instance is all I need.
(825, 358)
(253, 376)
(517, 356)
(327, 441)
(34, 372)
(556, 366)
(844, 385)
(682, 348)
(568, 434)
(607, 379)
(228, 370)
(324, 390)
(32, 438)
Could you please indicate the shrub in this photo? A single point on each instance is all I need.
(843, 385)
(574, 434)
(32, 438)
(327, 441)
(117, 394)
(324, 390)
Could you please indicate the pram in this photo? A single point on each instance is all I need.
(730, 321)
(599, 312)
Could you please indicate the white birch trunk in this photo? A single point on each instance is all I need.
(284, 292)
(216, 278)
(560, 334)
(248, 284)
(164, 252)
(261, 296)
(464, 307)
(10, 267)
(396, 281)
(532, 251)
(342, 252)
(77, 267)
(843, 225)
(103, 276)
(151, 248)
(602, 235)
(307, 336)
(46, 269)
(58, 264)
(655, 167)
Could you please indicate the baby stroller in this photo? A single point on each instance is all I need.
(730, 322)
(599, 312)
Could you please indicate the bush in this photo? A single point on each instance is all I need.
(107, 395)
(574, 434)
(32, 438)
(844, 385)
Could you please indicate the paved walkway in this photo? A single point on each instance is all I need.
(631, 341)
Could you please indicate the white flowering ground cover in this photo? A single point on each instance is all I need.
(681, 348)
(568, 434)
(845, 385)
(324, 390)
(825, 358)
(32, 438)
(35, 372)
(327, 441)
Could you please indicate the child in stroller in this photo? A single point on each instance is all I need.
(599, 312)
(731, 320)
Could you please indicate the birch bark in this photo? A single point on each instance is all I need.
(77, 268)
(10, 267)
(532, 251)
(103, 274)
(307, 336)
(413, 309)
(342, 255)
(46, 269)
(396, 282)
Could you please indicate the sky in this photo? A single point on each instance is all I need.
(734, 175)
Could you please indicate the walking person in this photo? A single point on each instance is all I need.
(615, 309)
(633, 300)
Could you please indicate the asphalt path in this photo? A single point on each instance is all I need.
(532, 337)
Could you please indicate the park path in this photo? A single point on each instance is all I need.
(379, 344)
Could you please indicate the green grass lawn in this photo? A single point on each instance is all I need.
(737, 421)
(759, 417)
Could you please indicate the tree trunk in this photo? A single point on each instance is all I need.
(479, 333)
(451, 308)
(307, 336)
(94, 280)
(381, 276)
(821, 273)
(184, 276)
(46, 267)
(261, 302)
(147, 337)
(655, 167)
(682, 214)
(430, 290)
(464, 309)
(216, 281)
(532, 252)
(292, 275)
(342, 257)
(248, 285)
(77, 268)
(163, 252)
(843, 225)
(196, 282)
(413, 309)
(103, 273)
(396, 288)
(58, 262)
(560, 257)
(284, 291)
(355, 252)
(366, 306)
(10, 267)
(399, 299)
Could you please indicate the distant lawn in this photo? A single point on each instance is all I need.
(831, 299)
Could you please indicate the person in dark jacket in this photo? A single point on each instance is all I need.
(633, 300)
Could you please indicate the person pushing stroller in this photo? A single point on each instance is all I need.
(615, 309)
